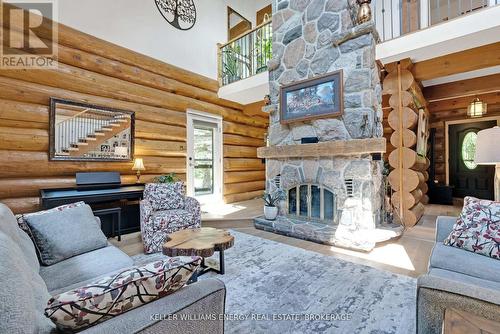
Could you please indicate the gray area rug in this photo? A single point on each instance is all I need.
(276, 288)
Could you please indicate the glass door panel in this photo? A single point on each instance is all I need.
(203, 161)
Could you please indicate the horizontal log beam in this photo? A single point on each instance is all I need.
(458, 62)
(331, 148)
(237, 188)
(232, 139)
(243, 196)
(242, 164)
(232, 151)
(469, 87)
(37, 164)
(237, 177)
(462, 102)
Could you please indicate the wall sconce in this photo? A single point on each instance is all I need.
(476, 108)
(138, 166)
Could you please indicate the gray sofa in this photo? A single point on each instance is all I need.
(27, 286)
(456, 279)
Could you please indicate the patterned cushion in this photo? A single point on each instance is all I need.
(478, 228)
(111, 296)
(165, 196)
(171, 219)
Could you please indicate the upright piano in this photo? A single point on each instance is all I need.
(101, 190)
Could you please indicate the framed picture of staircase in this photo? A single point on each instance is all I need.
(86, 132)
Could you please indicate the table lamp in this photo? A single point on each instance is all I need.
(138, 166)
(488, 153)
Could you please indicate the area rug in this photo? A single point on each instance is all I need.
(277, 288)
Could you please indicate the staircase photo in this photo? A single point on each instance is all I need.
(91, 133)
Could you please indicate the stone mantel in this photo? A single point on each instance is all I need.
(325, 149)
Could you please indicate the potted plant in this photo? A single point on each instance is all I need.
(270, 204)
(168, 178)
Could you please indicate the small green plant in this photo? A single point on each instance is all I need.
(273, 199)
(168, 178)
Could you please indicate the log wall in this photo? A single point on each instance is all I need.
(98, 72)
(408, 174)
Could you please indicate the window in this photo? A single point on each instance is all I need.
(469, 150)
(203, 160)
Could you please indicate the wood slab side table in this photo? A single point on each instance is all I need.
(202, 242)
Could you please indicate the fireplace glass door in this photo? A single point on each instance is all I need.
(312, 202)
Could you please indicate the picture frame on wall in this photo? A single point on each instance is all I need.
(319, 97)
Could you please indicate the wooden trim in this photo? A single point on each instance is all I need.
(331, 148)
(229, 12)
(458, 62)
(470, 87)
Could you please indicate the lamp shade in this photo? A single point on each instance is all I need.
(487, 151)
(138, 164)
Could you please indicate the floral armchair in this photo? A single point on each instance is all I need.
(166, 209)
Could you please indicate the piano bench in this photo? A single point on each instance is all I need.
(117, 220)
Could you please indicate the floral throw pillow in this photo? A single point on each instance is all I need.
(113, 295)
(478, 228)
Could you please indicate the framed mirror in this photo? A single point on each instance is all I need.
(85, 132)
(236, 24)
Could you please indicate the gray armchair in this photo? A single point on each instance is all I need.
(457, 279)
(166, 209)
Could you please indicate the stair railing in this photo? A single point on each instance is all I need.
(82, 127)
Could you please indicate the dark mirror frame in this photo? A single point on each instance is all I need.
(52, 119)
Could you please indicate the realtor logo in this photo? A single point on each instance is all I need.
(29, 34)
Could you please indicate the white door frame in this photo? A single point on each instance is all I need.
(193, 115)
(447, 138)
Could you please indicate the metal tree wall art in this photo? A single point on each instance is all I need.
(179, 13)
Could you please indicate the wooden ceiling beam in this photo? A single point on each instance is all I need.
(470, 87)
(458, 62)
(463, 102)
(458, 114)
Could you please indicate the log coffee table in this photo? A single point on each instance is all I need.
(202, 242)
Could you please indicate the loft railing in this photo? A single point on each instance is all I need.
(245, 55)
(396, 18)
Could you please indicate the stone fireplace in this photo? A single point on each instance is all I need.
(334, 189)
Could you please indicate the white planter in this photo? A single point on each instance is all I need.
(270, 212)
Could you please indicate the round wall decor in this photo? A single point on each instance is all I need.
(179, 13)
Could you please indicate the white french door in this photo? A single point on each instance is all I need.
(204, 156)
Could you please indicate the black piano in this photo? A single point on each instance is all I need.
(104, 192)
